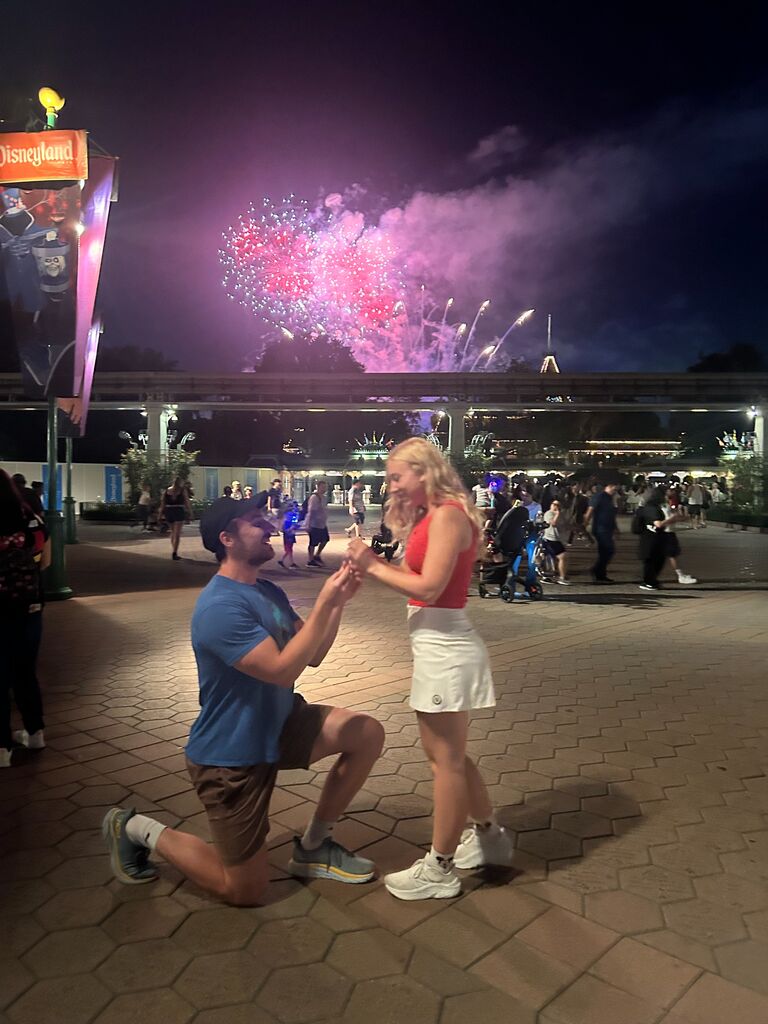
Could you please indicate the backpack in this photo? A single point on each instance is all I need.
(303, 509)
(19, 571)
(637, 526)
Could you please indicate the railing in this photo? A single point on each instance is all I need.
(482, 389)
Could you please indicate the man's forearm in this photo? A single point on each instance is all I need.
(326, 643)
(301, 650)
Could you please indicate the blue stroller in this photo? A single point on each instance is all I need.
(514, 536)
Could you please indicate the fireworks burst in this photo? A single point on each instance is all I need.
(324, 271)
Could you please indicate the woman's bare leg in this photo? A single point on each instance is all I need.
(444, 738)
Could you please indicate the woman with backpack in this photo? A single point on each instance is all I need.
(23, 555)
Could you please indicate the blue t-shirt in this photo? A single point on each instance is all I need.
(240, 718)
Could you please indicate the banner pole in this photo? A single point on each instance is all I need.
(70, 524)
(55, 576)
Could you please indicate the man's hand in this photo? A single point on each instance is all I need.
(360, 556)
(340, 587)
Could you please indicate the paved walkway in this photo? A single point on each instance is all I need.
(627, 751)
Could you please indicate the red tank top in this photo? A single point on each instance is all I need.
(455, 593)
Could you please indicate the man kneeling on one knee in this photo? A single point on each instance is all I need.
(250, 648)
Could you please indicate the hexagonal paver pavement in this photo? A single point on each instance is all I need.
(627, 756)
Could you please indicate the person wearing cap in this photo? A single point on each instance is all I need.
(250, 648)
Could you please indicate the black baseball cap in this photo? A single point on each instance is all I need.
(220, 514)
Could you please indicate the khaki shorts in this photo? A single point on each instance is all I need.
(236, 800)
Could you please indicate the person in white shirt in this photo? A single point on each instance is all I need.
(316, 523)
(695, 493)
(481, 494)
(533, 507)
(671, 542)
(556, 538)
(356, 509)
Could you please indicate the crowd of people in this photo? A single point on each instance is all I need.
(588, 510)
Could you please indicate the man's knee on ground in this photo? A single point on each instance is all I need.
(245, 892)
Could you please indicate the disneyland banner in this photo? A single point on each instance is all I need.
(51, 243)
(27, 157)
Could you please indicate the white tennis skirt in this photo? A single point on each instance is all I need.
(451, 670)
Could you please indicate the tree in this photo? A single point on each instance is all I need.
(740, 358)
(309, 353)
(159, 471)
(748, 481)
(127, 358)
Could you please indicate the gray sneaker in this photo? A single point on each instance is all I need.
(130, 861)
(330, 860)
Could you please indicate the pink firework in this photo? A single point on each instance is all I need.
(269, 261)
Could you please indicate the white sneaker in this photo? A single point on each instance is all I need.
(683, 577)
(5, 757)
(563, 581)
(36, 741)
(421, 881)
(480, 846)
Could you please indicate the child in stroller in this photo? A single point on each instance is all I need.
(382, 542)
(515, 533)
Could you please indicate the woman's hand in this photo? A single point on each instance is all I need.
(340, 587)
(360, 556)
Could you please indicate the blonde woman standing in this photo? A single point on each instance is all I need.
(431, 511)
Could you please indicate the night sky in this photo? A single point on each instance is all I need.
(607, 167)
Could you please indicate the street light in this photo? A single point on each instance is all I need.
(125, 436)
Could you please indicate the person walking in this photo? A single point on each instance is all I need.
(429, 508)
(289, 526)
(316, 524)
(356, 509)
(251, 647)
(653, 541)
(24, 553)
(695, 494)
(144, 505)
(601, 515)
(275, 497)
(672, 542)
(555, 539)
(174, 509)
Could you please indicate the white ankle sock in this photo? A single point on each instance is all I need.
(442, 861)
(316, 831)
(144, 831)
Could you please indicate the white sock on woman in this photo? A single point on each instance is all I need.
(442, 861)
(486, 823)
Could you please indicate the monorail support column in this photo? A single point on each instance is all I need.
(158, 415)
(759, 428)
(760, 453)
(457, 441)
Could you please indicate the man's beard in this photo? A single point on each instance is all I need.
(257, 560)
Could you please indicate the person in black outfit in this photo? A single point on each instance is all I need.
(23, 554)
(602, 516)
(175, 507)
(653, 539)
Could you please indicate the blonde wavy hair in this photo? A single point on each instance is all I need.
(441, 482)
